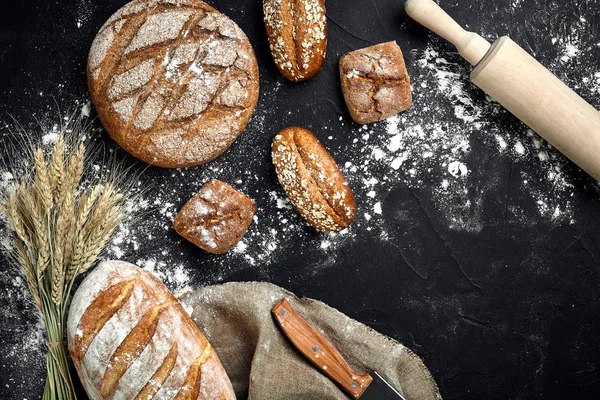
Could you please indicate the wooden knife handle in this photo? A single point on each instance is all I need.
(319, 350)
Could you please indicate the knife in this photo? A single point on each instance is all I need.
(319, 351)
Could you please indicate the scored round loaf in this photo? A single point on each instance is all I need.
(312, 180)
(129, 338)
(297, 33)
(174, 82)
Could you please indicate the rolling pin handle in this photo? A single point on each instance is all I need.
(470, 46)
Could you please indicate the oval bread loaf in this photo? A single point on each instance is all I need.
(312, 180)
(174, 82)
(297, 32)
(129, 338)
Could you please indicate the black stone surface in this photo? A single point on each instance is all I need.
(509, 312)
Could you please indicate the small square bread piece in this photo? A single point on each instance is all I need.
(375, 82)
(216, 218)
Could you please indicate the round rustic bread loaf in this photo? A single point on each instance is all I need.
(174, 81)
(129, 338)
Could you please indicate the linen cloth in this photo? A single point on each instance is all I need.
(263, 364)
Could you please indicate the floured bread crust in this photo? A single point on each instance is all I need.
(375, 82)
(129, 338)
(174, 81)
(216, 218)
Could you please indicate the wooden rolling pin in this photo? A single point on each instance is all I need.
(523, 86)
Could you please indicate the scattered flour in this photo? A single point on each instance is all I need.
(427, 148)
(457, 169)
(51, 137)
(176, 277)
(519, 148)
(86, 109)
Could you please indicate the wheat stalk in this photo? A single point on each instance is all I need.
(27, 219)
(42, 181)
(28, 271)
(12, 209)
(86, 204)
(60, 224)
(75, 168)
(57, 165)
(34, 211)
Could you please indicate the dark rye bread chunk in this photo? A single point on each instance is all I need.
(174, 81)
(312, 180)
(216, 218)
(375, 82)
(297, 32)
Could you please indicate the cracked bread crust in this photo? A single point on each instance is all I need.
(174, 82)
(312, 180)
(130, 338)
(375, 82)
(297, 32)
(216, 218)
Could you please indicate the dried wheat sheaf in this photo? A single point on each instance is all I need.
(61, 218)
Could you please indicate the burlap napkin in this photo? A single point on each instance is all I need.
(263, 365)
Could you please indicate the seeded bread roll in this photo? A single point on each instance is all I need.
(312, 180)
(174, 81)
(375, 82)
(216, 218)
(129, 338)
(297, 32)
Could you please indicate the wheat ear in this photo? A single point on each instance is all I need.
(74, 169)
(86, 204)
(29, 272)
(42, 182)
(15, 217)
(99, 238)
(56, 169)
(64, 216)
(90, 230)
(40, 240)
(25, 213)
(70, 233)
(105, 201)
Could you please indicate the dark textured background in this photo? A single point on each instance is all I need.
(512, 311)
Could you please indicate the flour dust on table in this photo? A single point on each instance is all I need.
(443, 151)
(431, 143)
(28, 346)
(428, 143)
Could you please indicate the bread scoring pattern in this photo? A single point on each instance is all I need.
(174, 81)
(297, 32)
(147, 348)
(312, 180)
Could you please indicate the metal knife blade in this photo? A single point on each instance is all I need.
(379, 389)
(321, 352)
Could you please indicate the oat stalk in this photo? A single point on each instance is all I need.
(60, 224)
